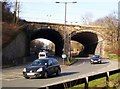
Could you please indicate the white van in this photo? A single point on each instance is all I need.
(42, 55)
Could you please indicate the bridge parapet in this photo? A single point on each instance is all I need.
(69, 28)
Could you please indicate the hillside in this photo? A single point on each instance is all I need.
(9, 31)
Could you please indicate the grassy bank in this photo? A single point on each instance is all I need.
(114, 56)
(101, 83)
(72, 61)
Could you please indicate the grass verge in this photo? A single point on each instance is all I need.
(72, 61)
(101, 83)
(114, 56)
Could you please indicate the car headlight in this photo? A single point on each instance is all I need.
(91, 59)
(40, 69)
(24, 70)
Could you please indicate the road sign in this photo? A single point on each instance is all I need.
(64, 56)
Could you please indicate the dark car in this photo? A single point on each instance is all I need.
(96, 59)
(42, 68)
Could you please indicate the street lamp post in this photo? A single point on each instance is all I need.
(65, 23)
(65, 9)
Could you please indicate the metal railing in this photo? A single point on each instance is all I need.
(85, 80)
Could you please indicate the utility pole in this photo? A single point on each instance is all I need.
(65, 37)
(16, 11)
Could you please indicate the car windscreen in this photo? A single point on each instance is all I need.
(39, 62)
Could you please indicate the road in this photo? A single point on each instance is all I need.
(12, 77)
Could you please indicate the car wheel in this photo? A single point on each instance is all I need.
(27, 77)
(58, 72)
(46, 75)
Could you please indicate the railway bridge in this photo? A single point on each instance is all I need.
(93, 38)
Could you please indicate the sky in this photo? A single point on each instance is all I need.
(49, 11)
(45, 41)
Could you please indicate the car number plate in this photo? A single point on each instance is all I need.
(30, 73)
(95, 61)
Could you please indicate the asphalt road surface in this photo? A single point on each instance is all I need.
(12, 77)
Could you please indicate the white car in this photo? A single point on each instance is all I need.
(42, 55)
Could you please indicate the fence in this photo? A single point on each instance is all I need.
(84, 80)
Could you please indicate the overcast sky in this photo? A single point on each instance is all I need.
(49, 11)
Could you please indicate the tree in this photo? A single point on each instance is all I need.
(51, 46)
(36, 45)
(111, 23)
(7, 15)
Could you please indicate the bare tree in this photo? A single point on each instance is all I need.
(36, 45)
(51, 46)
(7, 15)
(110, 22)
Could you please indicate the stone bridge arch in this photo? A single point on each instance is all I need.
(19, 47)
(93, 41)
(49, 34)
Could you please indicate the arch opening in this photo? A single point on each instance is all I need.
(51, 35)
(41, 44)
(89, 40)
(76, 47)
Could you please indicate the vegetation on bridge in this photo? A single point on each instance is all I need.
(10, 28)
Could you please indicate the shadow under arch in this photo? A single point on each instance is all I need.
(89, 40)
(52, 35)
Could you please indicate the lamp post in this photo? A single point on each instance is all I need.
(65, 9)
(65, 23)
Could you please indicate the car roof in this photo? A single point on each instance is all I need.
(46, 59)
